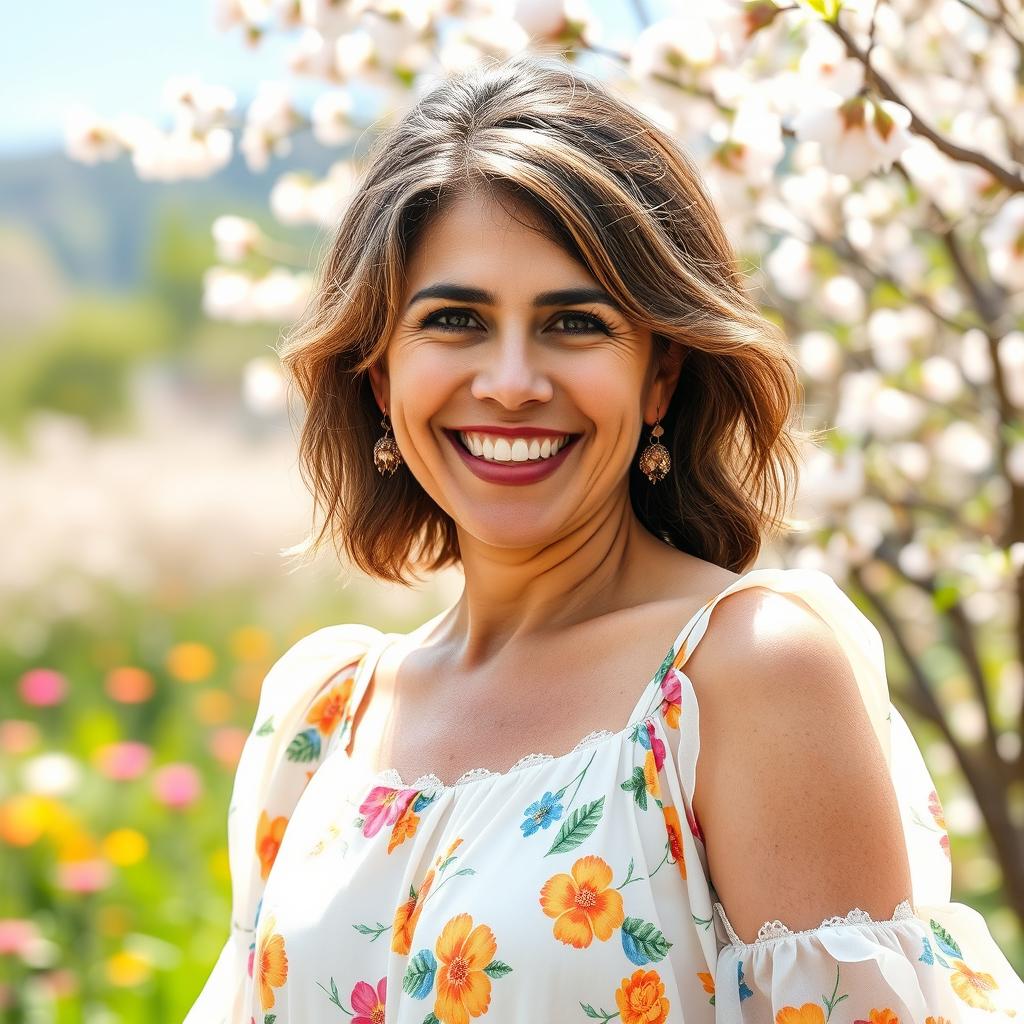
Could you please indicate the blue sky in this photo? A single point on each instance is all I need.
(116, 55)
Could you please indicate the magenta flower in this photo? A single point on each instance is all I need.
(177, 785)
(42, 687)
(656, 745)
(368, 1003)
(123, 761)
(671, 691)
(384, 806)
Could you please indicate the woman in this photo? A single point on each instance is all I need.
(493, 816)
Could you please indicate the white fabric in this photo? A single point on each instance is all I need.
(654, 943)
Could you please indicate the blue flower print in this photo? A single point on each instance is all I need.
(540, 814)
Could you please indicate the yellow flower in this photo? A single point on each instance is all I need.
(125, 846)
(582, 903)
(972, 986)
(190, 662)
(463, 989)
(251, 643)
(641, 998)
(126, 969)
(271, 963)
(809, 1013)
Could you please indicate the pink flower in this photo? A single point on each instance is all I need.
(42, 687)
(656, 745)
(367, 1002)
(83, 876)
(226, 744)
(177, 785)
(123, 761)
(16, 934)
(384, 806)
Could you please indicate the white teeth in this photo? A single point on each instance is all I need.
(516, 449)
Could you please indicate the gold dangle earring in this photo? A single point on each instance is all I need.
(386, 456)
(654, 459)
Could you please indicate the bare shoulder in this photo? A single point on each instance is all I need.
(799, 815)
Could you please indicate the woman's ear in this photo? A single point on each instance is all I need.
(663, 387)
(380, 385)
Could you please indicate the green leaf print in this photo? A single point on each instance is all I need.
(266, 728)
(431, 1018)
(597, 1014)
(637, 784)
(305, 746)
(643, 941)
(269, 1018)
(945, 941)
(665, 665)
(580, 824)
(497, 969)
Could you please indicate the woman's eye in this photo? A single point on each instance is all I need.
(442, 320)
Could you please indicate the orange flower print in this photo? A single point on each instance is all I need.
(885, 1016)
(582, 903)
(809, 1013)
(463, 988)
(269, 832)
(271, 962)
(404, 828)
(407, 915)
(641, 998)
(651, 775)
(937, 1020)
(327, 711)
(708, 981)
(972, 986)
(675, 837)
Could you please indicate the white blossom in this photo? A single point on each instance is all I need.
(235, 238)
(1003, 237)
(857, 136)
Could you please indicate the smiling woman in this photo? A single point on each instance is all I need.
(593, 420)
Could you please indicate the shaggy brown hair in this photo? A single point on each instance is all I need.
(619, 196)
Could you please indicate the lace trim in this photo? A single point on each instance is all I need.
(392, 777)
(772, 930)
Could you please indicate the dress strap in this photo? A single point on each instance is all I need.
(362, 679)
(692, 632)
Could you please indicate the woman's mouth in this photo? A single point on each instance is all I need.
(512, 460)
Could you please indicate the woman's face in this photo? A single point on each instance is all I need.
(511, 355)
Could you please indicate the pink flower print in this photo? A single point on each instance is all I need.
(383, 805)
(935, 806)
(368, 1003)
(671, 698)
(656, 745)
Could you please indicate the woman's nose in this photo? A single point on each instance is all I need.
(511, 372)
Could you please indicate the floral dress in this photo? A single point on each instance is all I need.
(568, 888)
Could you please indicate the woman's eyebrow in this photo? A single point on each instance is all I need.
(464, 293)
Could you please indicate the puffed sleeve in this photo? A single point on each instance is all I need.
(935, 966)
(303, 708)
(933, 962)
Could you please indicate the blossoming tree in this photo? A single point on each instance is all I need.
(866, 159)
